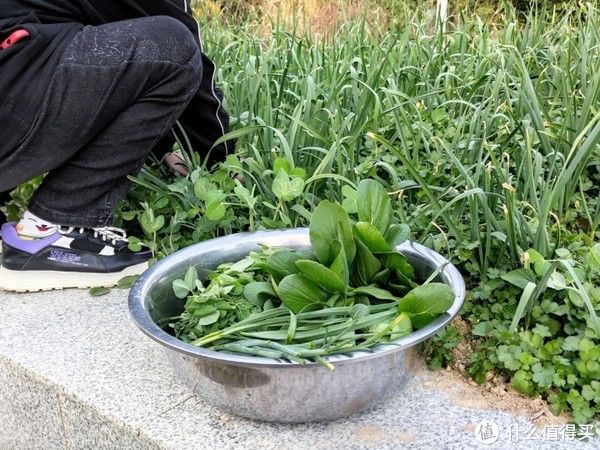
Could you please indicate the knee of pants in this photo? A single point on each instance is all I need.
(166, 39)
(143, 53)
(147, 39)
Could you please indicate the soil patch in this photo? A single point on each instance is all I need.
(494, 394)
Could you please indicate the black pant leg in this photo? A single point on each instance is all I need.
(205, 120)
(117, 91)
(4, 199)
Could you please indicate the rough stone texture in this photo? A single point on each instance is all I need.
(75, 373)
(29, 410)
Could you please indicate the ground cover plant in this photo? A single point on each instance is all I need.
(485, 138)
(350, 291)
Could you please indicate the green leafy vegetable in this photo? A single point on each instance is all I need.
(331, 222)
(374, 205)
(424, 303)
(299, 293)
(371, 237)
(321, 275)
(351, 292)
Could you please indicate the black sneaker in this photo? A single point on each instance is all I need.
(70, 258)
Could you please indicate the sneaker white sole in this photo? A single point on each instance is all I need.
(48, 280)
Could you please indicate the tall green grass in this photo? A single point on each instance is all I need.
(488, 136)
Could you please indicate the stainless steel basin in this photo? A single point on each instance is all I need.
(277, 390)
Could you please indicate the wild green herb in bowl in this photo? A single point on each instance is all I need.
(350, 291)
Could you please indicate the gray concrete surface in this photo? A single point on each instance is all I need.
(75, 373)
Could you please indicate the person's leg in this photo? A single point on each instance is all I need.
(205, 120)
(116, 92)
(4, 199)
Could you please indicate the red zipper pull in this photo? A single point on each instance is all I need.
(14, 37)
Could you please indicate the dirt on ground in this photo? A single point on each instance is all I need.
(495, 393)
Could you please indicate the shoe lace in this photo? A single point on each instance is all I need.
(107, 234)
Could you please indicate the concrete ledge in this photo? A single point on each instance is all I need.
(36, 414)
(75, 373)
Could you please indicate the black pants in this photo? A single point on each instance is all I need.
(116, 92)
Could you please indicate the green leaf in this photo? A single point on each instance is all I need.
(397, 234)
(400, 290)
(161, 203)
(524, 303)
(203, 187)
(591, 392)
(281, 165)
(571, 344)
(359, 310)
(180, 289)
(191, 276)
(365, 265)
(542, 330)
(350, 199)
(541, 267)
(208, 316)
(593, 258)
(382, 277)
(134, 244)
(287, 189)
(244, 195)
(233, 161)
(331, 222)
(299, 172)
(374, 205)
(321, 275)
(340, 263)
(258, 292)
(99, 291)
(215, 210)
(127, 282)
(438, 115)
(424, 303)
(542, 375)
(398, 262)
(150, 223)
(128, 215)
(283, 263)
(557, 281)
(521, 382)
(402, 326)
(563, 253)
(298, 293)
(534, 256)
(371, 237)
(391, 330)
(506, 355)
(519, 277)
(374, 291)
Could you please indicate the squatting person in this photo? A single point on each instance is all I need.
(88, 89)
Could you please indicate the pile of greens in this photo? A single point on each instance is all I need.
(351, 291)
